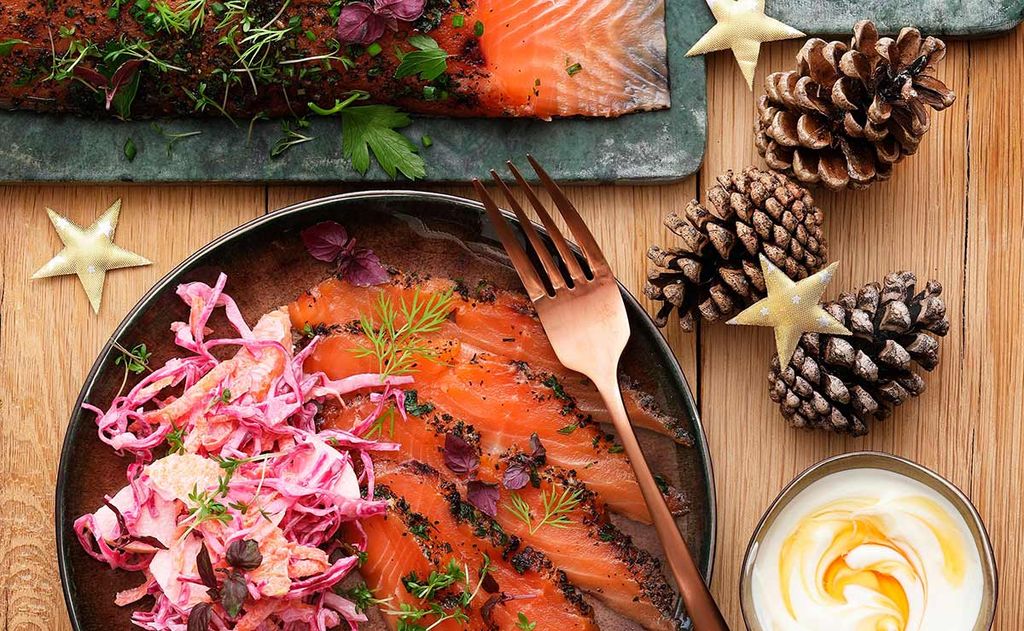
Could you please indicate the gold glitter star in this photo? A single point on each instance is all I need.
(743, 27)
(792, 308)
(89, 253)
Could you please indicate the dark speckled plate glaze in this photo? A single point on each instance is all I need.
(267, 266)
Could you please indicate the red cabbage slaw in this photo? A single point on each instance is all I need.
(247, 465)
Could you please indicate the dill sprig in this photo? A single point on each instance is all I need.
(557, 508)
(398, 347)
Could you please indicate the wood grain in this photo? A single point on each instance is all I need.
(48, 341)
(954, 212)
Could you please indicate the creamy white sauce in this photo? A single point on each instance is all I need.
(868, 550)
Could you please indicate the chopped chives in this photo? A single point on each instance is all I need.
(429, 93)
(427, 141)
(373, 49)
(573, 69)
(478, 28)
(458, 20)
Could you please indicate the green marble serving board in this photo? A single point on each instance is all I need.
(648, 147)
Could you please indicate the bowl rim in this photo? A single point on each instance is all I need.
(669, 361)
(869, 459)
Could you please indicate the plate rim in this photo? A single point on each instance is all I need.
(75, 421)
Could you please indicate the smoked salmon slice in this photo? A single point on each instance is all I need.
(493, 396)
(522, 580)
(524, 58)
(499, 322)
(593, 553)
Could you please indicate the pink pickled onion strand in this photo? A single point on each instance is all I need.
(302, 482)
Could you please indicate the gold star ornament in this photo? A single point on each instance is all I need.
(89, 253)
(743, 27)
(792, 308)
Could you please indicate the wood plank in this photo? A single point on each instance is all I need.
(49, 338)
(991, 409)
(916, 221)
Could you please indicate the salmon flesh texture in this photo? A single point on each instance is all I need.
(500, 322)
(447, 529)
(522, 58)
(494, 395)
(592, 552)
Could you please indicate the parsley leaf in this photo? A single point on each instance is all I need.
(429, 61)
(372, 128)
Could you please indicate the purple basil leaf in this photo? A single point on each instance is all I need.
(484, 496)
(152, 542)
(460, 456)
(121, 525)
(205, 567)
(91, 77)
(199, 617)
(489, 584)
(326, 240)
(487, 610)
(516, 476)
(244, 554)
(537, 452)
(233, 594)
(358, 24)
(363, 269)
(121, 77)
(404, 10)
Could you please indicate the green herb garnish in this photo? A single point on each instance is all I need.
(291, 137)
(173, 138)
(130, 150)
(478, 29)
(573, 69)
(523, 623)
(428, 61)
(556, 508)
(398, 347)
(369, 128)
(8, 45)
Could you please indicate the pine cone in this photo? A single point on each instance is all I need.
(839, 383)
(717, 272)
(847, 114)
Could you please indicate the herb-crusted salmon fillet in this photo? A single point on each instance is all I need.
(240, 58)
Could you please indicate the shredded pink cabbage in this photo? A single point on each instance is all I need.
(249, 445)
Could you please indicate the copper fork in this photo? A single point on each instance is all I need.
(585, 320)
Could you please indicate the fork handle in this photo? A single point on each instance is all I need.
(700, 604)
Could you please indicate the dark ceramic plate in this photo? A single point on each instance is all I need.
(267, 266)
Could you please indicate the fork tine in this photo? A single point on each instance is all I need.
(554, 274)
(564, 251)
(582, 234)
(527, 272)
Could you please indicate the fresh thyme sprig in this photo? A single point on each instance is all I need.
(557, 508)
(398, 347)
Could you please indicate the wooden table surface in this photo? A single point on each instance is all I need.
(954, 212)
